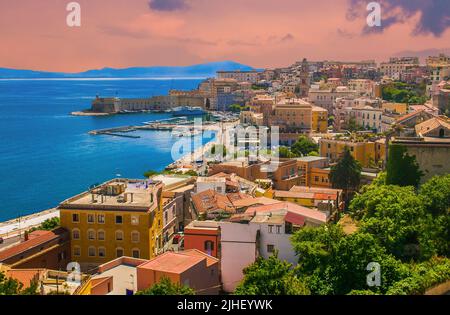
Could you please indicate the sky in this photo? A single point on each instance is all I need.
(260, 33)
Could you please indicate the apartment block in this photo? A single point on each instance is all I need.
(122, 217)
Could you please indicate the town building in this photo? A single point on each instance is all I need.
(239, 249)
(283, 173)
(251, 76)
(437, 127)
(113, 105)
(122, 217)
(48, 281)
(277, 222)
(191, 268)
(368, 153)
(325, 199)
(292, 115)
(40, 249)
(307, 164)
(203, 236)
(326, 98)
(431, 154)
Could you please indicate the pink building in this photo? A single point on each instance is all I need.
(192, 268)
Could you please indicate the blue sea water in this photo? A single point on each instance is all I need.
(47, 155)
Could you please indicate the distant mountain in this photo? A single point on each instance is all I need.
(200, 70)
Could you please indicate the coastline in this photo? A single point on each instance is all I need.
(16, 226)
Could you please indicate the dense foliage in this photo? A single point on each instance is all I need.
(406, 232)
(10, 286)
(402, 169)
(236, 108)
(404, 93)
(48, 225)
(271, 277)
(304, 146)
(346, 174)
(167, 287)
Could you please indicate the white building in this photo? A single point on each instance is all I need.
(218, 184)
(238, 251)
(240, 76)
(326, 98)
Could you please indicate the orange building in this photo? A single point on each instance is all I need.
(284, 173)
(203, 236)
(41, 249)
(191, 268)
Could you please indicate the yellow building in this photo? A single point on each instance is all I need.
(398, 108)
(319, 119)
(368, 153)
(320, 177)
(119, 218)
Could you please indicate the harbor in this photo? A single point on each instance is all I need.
(179, 126)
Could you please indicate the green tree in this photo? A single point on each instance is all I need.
(285, 153)
(303, 146)
(270, 277)
(217, 148)
(346, 174)
(435, 195)
(331, 262)
(47, 225)
(151, 173)
(10, 286)
(191, 173)
(167, 287)
(397, 218)
(402, 169)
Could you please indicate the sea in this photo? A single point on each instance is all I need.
(47, 155)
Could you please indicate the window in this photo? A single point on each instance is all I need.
(119, 219)
(101, 235)
(136, 253)
(209, 247)
(101, 252)
(135, 237)
(119, 252)
(119, 236)
(134, 220)
(91, 251)
(76, 234)
(270, 248)
(91, 218)
(270, 228)
(278, 229)
(91, 235)
(75, 218)
(101, 219)
(77, 251)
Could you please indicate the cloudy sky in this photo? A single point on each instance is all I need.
(260, 33)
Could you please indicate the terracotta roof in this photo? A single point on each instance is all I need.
(430, 125)
(316, 190)
(293, 194)
(210, 200)
(247, 202)
(38, 239)
(25, 276)
(290, 207)
(178, 262)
